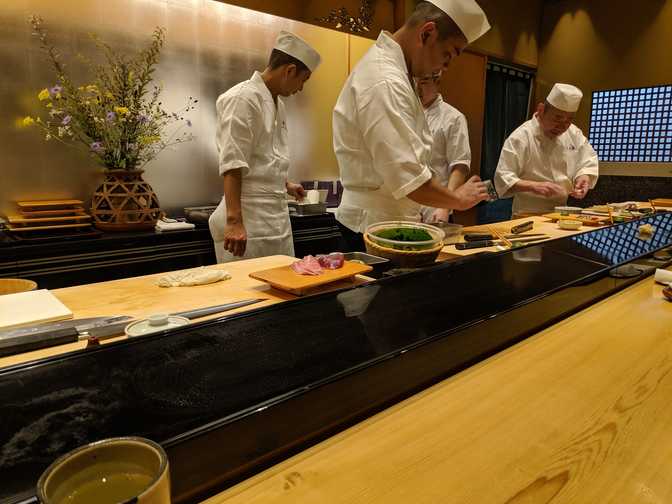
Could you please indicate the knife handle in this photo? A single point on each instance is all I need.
(29, 342)
(470, 237)
(474, 244)
(521, 228)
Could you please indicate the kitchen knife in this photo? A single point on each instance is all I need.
(492, 243)
(24, 339)
(485, 236)
(118, 328)
(51, 334)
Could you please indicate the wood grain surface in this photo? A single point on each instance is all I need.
(579, 413)
(141, 296)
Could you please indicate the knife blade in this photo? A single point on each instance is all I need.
(118, 328)
(487, 236)
(492, 243)
(58, 333)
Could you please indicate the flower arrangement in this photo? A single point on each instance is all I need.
(118, 117)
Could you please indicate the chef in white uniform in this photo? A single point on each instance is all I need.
(252, 220)
(451, 154)
(547, 158)
(381, 138)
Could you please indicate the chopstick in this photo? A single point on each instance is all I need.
(501, 237)
(611, 217)
(653, 206)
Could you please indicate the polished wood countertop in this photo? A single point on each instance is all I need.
(140, 296)
(578, 413)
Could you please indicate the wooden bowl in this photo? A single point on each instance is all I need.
(16, 285)
(403, 258)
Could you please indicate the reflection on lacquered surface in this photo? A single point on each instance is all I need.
(165, 385)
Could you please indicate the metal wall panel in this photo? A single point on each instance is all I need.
(210, 47)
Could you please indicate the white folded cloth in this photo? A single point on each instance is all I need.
(166, 224)
(189, 278)
(663, 276)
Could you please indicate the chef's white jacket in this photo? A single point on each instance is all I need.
(252, 137)
(528, 154)
(381, 139)
(450, 142)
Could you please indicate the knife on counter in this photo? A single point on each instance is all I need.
(25, 339)
(487, 236)
(492, 243)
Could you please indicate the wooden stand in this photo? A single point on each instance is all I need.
(124, 202)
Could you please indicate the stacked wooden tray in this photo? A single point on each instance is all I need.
(48, 215)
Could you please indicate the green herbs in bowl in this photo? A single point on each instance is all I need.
(404, 234)
(401, 235)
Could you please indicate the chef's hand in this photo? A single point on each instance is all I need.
(235, 237)
(472, 192)
(296, 190)
(548, 189)
(581, 187)
(440, 215)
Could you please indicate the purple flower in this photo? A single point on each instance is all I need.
(143, 118)
(188, 123)
(66, 120)
(97, 147)
(111, 116)
(55, 90)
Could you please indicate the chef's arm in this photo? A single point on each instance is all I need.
(433, 194)
(458, 176)
(235, 235)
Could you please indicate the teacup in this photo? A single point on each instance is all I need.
(112, 471)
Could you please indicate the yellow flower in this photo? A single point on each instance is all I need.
(147, 140)
(49, 105)
(43, 95)
(27, 121)
(122, 111)
(108, 95)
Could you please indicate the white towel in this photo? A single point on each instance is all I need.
(166, 224)
(189, 278)
(663, 276)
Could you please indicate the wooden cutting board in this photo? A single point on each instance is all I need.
(662, 202)
(77, 210)
(586, 220)
(20, 229)
(42, 204)
(28, 308)
(286, 279)
(17, 219)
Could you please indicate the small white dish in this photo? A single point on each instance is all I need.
(569, 224)
(153, 324)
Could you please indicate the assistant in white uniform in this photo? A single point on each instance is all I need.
(547, 158)
(451, 154)
(252, 220)
(381, 138)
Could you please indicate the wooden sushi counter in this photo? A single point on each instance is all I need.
(578, 412)
(112, 298)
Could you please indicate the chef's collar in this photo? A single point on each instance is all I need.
(436, 103)
(259, 81)
(393, 50)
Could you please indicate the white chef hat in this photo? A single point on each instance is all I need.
(565, 97)
(468, 16)
(298, 48)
